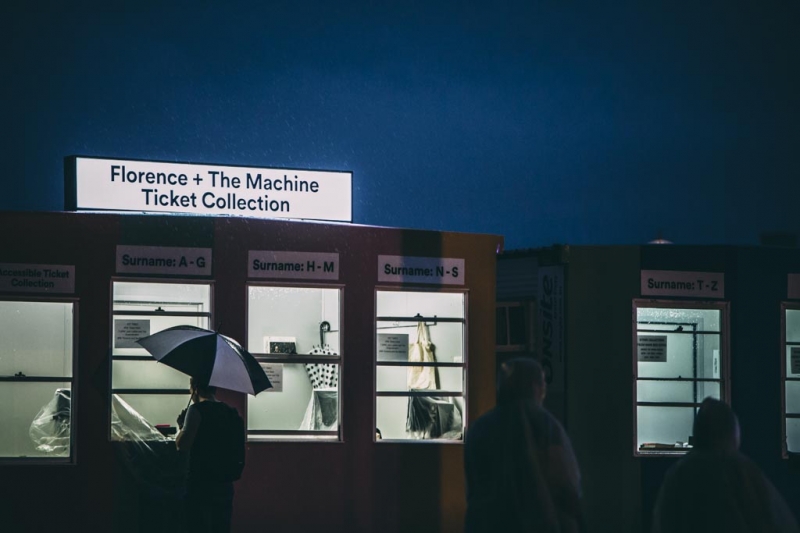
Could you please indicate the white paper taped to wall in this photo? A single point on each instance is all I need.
(652, 348)
(715, 363)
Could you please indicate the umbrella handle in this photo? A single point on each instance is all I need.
(324, 327)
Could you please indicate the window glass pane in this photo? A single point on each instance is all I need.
(416, 417)
(420, 418)
(447, 339)
(501, 333)
(24, 403)
(181, 297)
(282, 319)
(688, 355)
(146, 375)
(157, 409)
(516, 321)
(149, 300)
(298, 404)
(697, 319)
(706, 389)
(664, 425)
(665, 391)
(793, 397)
(793, 325)
(396, 378)
(427, 304)
(793, 435)
(36, 338)
(153, 324)
(676, 391)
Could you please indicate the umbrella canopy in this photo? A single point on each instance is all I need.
(209, 357)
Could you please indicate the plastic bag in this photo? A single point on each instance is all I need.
(50, 430)
(421, 351)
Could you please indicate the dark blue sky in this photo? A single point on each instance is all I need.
(571, 122)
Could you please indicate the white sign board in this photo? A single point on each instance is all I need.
(794, 287)
(392, 347)
(274, 372)
(164, 260)
(160, 187)
(292, 265)
(688, 284)
(652, 348)
(18, 277)
(127, 332)
(431, 270)
(795, 359)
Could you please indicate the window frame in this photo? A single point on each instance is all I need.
(724, 380)
(464, 365)
(786, 306)
(303, 436)
(113, 315)
(528, 310)
(71, 460)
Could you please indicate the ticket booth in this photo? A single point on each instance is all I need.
(638, 336)
(351, 437)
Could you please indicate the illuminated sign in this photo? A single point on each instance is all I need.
(688, 284)
(199, 189)
(431, 270)
(297, 265)
(163, 260)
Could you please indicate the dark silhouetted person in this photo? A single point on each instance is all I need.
(522, 475)
(209, 433)
(717, 489)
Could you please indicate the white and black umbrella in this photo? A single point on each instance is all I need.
(209, 357)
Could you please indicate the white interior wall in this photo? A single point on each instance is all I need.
(147, 297)
(674, 424)
(289, 312)
(36, 338)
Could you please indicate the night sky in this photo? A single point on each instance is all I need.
(545, 122)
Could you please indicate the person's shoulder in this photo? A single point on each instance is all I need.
(545, 421)
(484, 423)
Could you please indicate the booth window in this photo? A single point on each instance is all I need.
(679, 359)
(37, 343)
(420, 366)
(147, 396)
(791, 378)
(514, 326)
(295, 334)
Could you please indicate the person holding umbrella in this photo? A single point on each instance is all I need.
(210, 430)
(216, 455)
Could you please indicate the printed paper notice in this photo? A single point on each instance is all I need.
(274, 372)
(392, 347)
(127, 332)
(652, 348)
(795, 357)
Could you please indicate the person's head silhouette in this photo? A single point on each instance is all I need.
(716, 427)
(521, 379)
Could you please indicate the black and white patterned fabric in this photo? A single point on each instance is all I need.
(323, 376)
